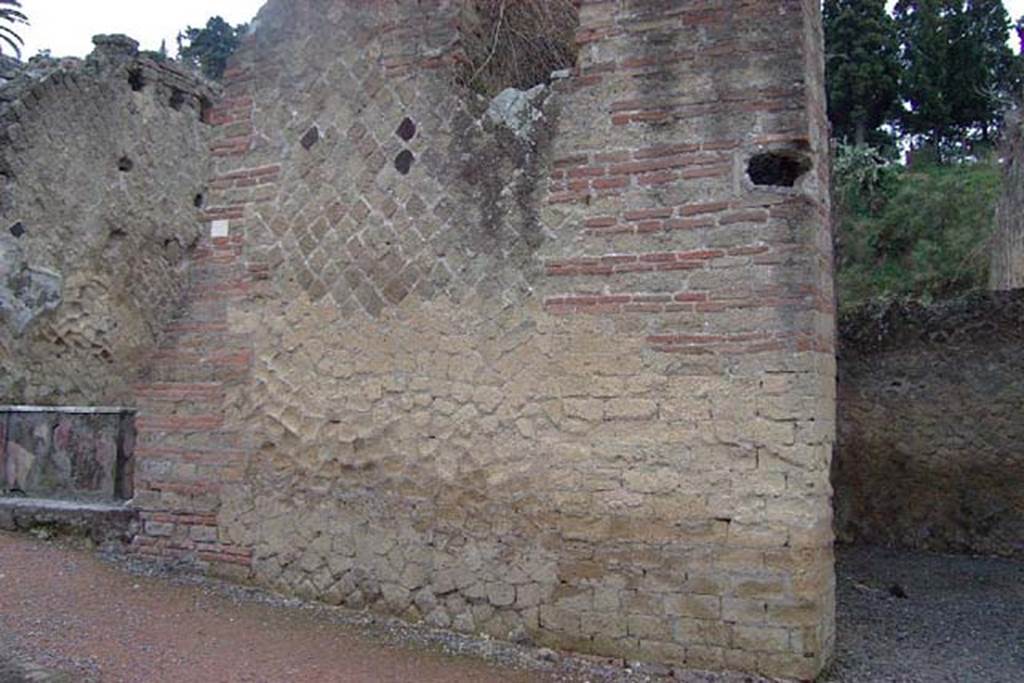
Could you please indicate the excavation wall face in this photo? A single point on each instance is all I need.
(929, 449)
(101, 163)
(557, 371)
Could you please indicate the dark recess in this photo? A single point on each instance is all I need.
(18, 229)
(404, 161)
(311, 137)
(199, 201)
(777, 169)
(177, 100)
(407, 129)
(205, 110)
(136, 79)
(124, 164)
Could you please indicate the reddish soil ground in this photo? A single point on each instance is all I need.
(69, 610)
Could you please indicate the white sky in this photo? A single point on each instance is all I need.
(66, 27)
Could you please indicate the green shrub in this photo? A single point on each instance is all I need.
(911, 233)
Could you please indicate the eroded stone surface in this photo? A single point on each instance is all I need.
(25, 292)
(1007, 248)
(102, 523)
(518, 110)
(96, 265)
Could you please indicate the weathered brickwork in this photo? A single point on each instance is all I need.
(572, 382)
(185, 448)
(929, 455)
(103, 162)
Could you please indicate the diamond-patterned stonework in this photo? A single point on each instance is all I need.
(372, 211)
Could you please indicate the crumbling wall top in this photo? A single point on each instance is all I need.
(103, 166)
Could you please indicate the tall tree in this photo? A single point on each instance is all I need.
(209, 48)
(985, 72)
(11, 14)
(922, 30)
(958, 69)
(862, 68)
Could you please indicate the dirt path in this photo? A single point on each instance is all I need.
(70, 611)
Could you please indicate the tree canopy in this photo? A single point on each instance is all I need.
(936, 76)
(937, 72)
(862, 68)
(11, 14)
(209, 48)
(959, 71)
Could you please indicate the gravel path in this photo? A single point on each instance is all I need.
(69, 611)
(962, 618)
(67, 616)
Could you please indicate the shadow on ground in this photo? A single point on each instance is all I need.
(928, 617)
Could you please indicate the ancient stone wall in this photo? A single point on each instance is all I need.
(102, 164)
(555, 367)
(1007, 265)
(930, 427)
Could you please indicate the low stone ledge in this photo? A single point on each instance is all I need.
(102, 522)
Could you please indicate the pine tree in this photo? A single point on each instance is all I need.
(959, 72)
(984, 72)
(862, 68)
(209, 48)
(922, 31)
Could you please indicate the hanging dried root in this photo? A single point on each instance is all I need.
(516, 43)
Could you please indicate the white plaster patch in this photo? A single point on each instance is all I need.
(220, 228)
(517, 109)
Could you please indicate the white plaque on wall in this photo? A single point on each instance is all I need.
(219, 228)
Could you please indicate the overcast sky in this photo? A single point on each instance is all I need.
(66, 27)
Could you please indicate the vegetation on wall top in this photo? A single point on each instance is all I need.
(516, 43)
(911, 233)
(209, 48)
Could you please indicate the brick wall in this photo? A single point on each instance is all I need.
(575, 387)
(186, 450)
